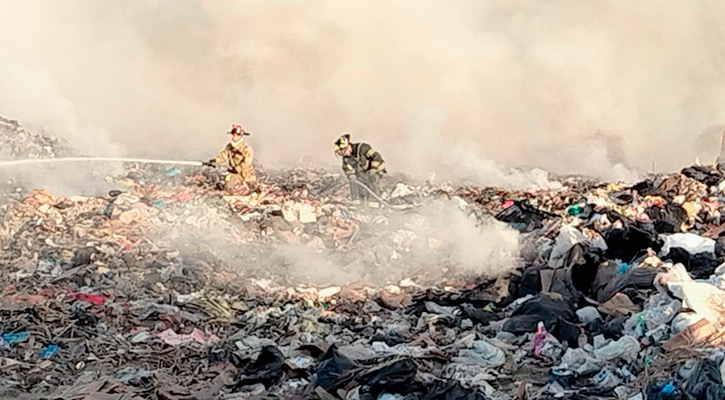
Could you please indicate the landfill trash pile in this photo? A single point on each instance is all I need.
(171, 289)
(18, 143)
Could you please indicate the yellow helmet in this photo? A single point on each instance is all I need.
(341, 143)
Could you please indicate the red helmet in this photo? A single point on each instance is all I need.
(238, 129)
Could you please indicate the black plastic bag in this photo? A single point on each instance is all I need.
(479, 316)
(703, 175)
(667, 219)
(334, 370)
(647, 188)
(583, 265)
(700, 266)
(451, 390)
(705, 382)
(614, 327)
(523, 217)
(554, 313)
(624, 244)
(530, 282)
(397, 376)
(391, 339)
(561, 283)
(639, 278)
(266, 369)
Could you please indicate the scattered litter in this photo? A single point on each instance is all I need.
(49, 352)
(173, 171)
(15, 338)
(172, 289)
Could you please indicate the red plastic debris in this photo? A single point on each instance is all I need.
(96, 299)
(129, 244)
(183, 197)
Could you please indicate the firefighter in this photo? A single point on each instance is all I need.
(361, 163)
(238, 157)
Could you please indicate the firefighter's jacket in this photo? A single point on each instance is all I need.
(239, 157)
(363, 160)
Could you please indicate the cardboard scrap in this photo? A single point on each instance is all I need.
(620, 304)
(700, 334)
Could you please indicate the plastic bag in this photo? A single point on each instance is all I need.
(626, 348)
(483, 353)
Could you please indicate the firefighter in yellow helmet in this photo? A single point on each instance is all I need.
(361, 163)
(238, 157)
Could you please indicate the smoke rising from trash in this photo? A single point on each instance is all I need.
(438, 238)
(468, 272)
(435, 240)
(599, 89)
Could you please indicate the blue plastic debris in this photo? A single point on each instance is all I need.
(173, 171)
(49, 352)
(160, 204)
(575, 210)
(668, 389)
(15, 338)
(623, 268)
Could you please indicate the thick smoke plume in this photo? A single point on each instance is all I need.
(452, 88)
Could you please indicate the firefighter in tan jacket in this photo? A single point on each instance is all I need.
(238, 157)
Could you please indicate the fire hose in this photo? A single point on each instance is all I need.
(13, 163)
(364, 186)
(96, 159)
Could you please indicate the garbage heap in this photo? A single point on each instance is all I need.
(170, 289)
(19, 143)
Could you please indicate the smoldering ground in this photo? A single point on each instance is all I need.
(549, 85)
(437, 241)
